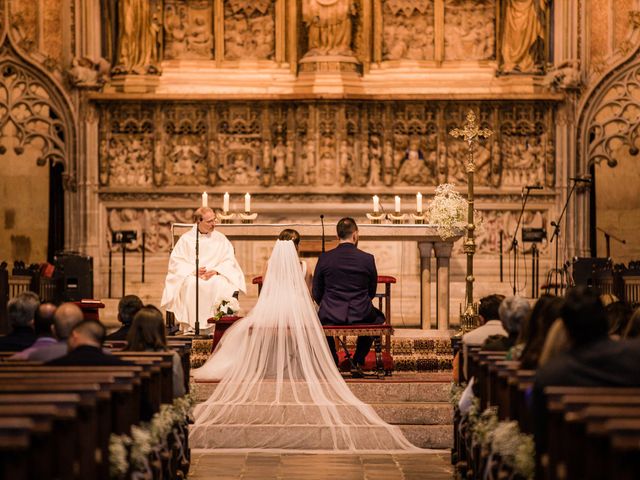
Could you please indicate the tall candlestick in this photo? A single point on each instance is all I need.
(376, 204)
(397, 204)
(225, 202)
(205, 201)
(247, 202)
(419, 202)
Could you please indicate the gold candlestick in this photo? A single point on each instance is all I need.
(376, 218)
(247, 217)
(397, 218)
(419, 217)
(226, 217)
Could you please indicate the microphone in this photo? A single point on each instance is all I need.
(580, 179)
(322, 223)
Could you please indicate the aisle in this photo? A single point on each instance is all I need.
(264, 466)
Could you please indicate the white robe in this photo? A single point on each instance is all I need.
(216, 253)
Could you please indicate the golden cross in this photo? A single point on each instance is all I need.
(470, 131)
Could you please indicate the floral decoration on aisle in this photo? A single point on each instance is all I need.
(448, 211)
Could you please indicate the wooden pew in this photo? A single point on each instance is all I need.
(162, 359)
(15, 448)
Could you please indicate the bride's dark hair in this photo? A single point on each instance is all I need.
(290, 234)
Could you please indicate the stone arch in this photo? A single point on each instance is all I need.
(38, 117)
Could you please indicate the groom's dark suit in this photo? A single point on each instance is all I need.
(344, 283)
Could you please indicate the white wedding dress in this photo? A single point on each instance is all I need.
(279, 388)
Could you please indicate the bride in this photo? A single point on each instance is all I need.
(278, 385)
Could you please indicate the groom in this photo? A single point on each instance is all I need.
(344, 283)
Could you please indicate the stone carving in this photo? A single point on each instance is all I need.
(408, 31)
(32, 116)
(329, 26)
(249, 29)
(469, 29)
(138, 29)
(188, 29)
(564, 76)
(335, 144)
(85, 73)
(524, 35)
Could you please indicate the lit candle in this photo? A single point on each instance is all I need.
(247, 202)
(376, 204)
(205, 202)
(225, 203)
(397, 204)
(419, 202)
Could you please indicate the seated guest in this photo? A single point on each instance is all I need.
(43, 326)
(490, 325)
(618, 315)
(20, 313)
(344, 283)
(513, 313)
(593, 360)
(85, 347)
(633, 327)
(66, 316)
(545, 312)
(557, 342)
(128, 306)
(147, 334)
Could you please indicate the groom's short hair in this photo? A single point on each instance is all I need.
(346, 227)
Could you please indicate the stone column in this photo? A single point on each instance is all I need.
(443, 255)
(426, 249)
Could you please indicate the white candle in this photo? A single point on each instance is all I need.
(247, 202)
(205, 202)
(419, 202)
(376, 204)
(397, 204)
(225, 203)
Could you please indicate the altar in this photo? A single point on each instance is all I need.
(430, 244)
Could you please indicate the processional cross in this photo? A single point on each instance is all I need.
(471, 133)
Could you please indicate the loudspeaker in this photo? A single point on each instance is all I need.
(586, 269)
(73, 275)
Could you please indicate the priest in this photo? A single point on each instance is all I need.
(220, 275)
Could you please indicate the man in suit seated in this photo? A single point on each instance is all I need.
(128, 306)
(344, 283)
(85, 347)
(20, 311)
(66, 316)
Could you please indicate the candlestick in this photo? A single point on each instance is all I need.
(247, 202)
(205, 201)
(397, 204)
(225, 202)
(418, 202)
(376, 204)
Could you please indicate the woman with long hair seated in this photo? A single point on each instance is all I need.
(147, 334)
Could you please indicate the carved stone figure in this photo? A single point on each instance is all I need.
(280, 163)
(309, 169)
(329, 26)
(413, 170)
(524, 35)
(408, 31)
(249, 30)
(375, 162)
(469, 30)
(388, 156)
(346, 163)
(213, 162)
(137, 38)
(267, 163)
(200, 40)
(85, 73)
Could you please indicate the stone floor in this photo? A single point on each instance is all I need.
(263, 466)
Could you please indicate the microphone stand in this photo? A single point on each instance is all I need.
(322, 223)
(514, 240)
(197, 278)
(556, 234)
(607, 239)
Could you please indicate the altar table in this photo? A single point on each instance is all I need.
(429, 244)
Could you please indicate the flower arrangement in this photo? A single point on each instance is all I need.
(448, 210)
(225, 307)
(456, 392)
(515, 448)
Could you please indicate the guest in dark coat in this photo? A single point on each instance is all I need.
(20, 311)
(594, 360)
(344, 283)
(127, 309)
(85, 347)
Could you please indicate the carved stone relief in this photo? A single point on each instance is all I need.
(469, 29)
(331, 144)
(188, 29)
(408, 31)
(249, 29)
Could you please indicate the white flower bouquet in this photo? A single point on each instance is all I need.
(226, 307)
(448, 211)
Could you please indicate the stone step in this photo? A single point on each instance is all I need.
(314, 437)
(373, 392)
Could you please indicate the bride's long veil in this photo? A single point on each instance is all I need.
(283, 390)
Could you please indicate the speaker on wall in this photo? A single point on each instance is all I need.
(73, 275)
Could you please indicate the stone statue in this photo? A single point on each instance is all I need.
(345, 163)
(280, 164)
(137, 38)
(329, 26)
(524, 35)
(413, 170)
